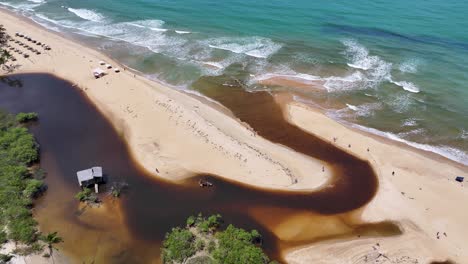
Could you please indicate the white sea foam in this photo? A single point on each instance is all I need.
(410, 122)
(182, 32)
(62, 23)
(214, 64)
(445, 151)
(37, 1)
(352, 107)
(144, 33)
(21, 6)
(152, 24)
(407, 86)
(292, 76)
(253, 46)
(464, 134)
(417, 131)
(87, 14)
(401, 102)
(46, 25)
(410, 66)
(372, 71)
(358, 55)
(352, 111)
(350, 82)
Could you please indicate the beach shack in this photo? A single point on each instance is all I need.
(92, 176)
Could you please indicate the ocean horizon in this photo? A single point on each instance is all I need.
(395, 69)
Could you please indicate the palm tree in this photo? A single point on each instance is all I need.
(51, 239)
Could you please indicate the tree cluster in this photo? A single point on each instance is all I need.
(18, 188)
(4, 54)
(203, 240)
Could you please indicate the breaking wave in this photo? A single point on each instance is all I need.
(22, 6)
(153, 24)
(407, 86)
(252, 46)
(87, 14)
(445, 151)
(352, 111)
(182, 32)
(351, 82)
(370, 72)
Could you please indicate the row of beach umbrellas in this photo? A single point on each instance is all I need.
(38, 43)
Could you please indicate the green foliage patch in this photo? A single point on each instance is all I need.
(87, 195)
(26, 117)
(18, 188)
(203, 241)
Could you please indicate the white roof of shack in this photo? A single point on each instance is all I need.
(89, 174)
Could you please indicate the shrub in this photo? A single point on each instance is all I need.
(211, 246)
(39, 173)
(191, 221)
(3, 237)
(87, 195)
(18, 149)
(178, 246)
(26, 117)
(231, 246)
(33, 188)
(5, 258)
(235, 246)
(199, 244)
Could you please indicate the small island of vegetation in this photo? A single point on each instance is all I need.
(20, 184)
(204, 241)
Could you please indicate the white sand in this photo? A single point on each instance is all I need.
(179, 135)
(422, 196)
(167, 129)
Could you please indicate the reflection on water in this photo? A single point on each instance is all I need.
(73, 135)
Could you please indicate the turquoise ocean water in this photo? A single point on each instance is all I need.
(395, 68)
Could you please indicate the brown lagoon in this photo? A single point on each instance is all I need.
(74, 135)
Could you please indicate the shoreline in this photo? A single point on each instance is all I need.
(128, 100)
(195, 111)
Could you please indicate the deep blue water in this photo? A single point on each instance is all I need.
(397, 67)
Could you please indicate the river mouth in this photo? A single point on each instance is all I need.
(74, 135)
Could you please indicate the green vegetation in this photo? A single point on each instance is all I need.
(4, 55)
(18, 150)
(117, 188)
(203, 241)
(51, 239)
(26, 117)
(87, 195)
(19, 185)
(5, 258)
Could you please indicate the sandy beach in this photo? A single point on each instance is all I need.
(174, 135)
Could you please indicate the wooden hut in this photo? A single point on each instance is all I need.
(92, 176)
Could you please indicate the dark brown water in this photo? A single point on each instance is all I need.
(73, 135)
